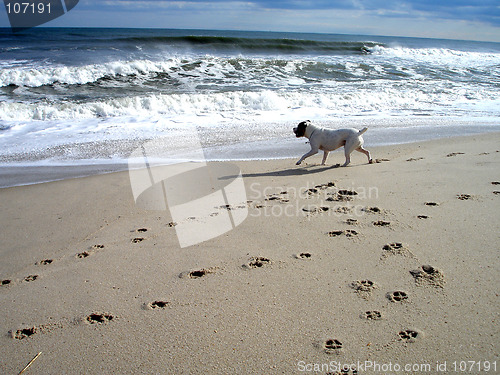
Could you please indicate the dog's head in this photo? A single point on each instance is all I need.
(300, 130)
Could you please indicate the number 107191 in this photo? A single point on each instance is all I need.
(27, 8)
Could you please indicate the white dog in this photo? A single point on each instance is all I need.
(328, 140)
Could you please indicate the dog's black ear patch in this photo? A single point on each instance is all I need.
(301, 129)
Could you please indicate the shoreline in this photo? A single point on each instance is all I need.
(25, 174)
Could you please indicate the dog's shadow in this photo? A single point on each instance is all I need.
(298, 171)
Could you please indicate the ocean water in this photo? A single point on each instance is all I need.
(92, 96)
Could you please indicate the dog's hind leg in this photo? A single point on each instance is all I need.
(348, 149)
(325, 155)
(366, 152)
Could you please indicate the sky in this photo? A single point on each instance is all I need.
(451, 19)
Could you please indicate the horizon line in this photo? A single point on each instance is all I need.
(243, 31)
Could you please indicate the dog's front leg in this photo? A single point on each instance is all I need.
(310, 153)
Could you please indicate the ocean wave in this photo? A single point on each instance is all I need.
(279, 45)
(220, 71)
(244, 104)
(439, 55)
(195, 73)
(78, 75)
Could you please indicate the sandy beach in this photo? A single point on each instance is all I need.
(392, 264)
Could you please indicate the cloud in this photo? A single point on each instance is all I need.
(487, 11)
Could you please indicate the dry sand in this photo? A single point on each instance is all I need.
(101, 286)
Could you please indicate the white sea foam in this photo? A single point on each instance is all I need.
(340, 101)
(440, 55)
(36, 76)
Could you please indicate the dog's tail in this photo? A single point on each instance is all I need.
(362, 131)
